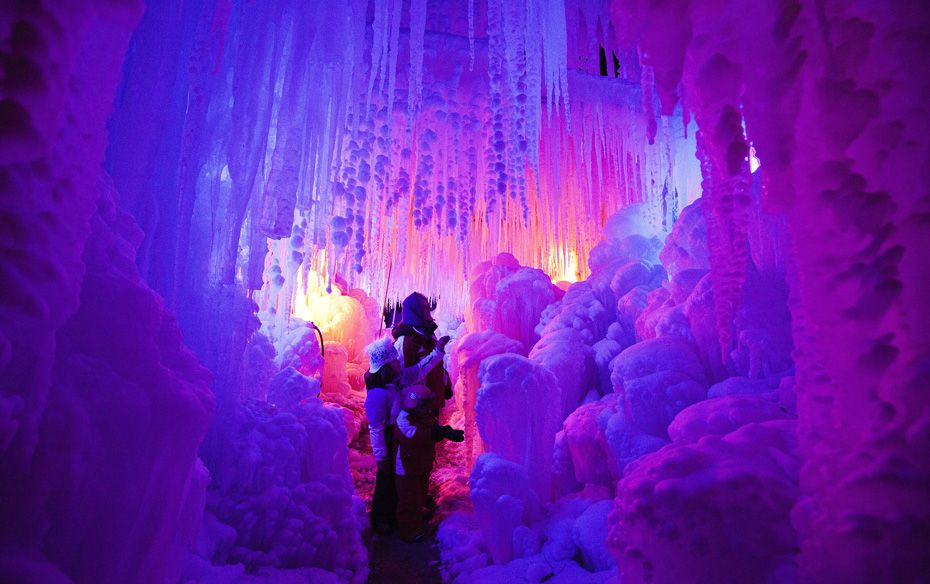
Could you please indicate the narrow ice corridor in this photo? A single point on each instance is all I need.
(477, 292)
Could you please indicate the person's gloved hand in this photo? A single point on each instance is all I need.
(384, 465)
(450, 433)
(442, 344)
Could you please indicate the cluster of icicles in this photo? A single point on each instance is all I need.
(397, 143)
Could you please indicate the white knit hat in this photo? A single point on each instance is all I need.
(380, 353)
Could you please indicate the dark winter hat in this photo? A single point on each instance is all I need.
(416, 310)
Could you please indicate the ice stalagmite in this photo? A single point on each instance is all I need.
(529, 393)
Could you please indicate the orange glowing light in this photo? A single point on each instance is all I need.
(563, 267)
(314, 304)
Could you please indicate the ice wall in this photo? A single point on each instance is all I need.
(840, 124)
(103, 407)
(282, 496)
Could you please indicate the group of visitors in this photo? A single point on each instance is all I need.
(407, 387)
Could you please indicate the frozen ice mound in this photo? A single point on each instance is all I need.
(656, 379)
(710, 511)
(686, 246)
(508, 298)
(503, 500)
(722, 415)
(600, 442)
(283, 486)
(289, 387)
(571, 360)
(100, 480)
(518, 413)
(470, 351)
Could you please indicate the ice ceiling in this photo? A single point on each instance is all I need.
(394, 144)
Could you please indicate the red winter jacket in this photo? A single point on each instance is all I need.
(416, 346)
(415, 443)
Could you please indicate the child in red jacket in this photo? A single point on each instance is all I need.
(417, 432)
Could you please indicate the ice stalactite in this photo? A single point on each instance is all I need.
(415, 81)
(496, 167)
(380, 40)
(471, 35)
(335, 156)
(555, 58)
(279, 194)
(723, 152)
(393, 48)
(647, 84)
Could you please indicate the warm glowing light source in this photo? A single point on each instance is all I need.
(331, 306)
(314, 304)
(563, 267)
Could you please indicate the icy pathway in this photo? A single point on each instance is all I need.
(392, 561)
(389, 559)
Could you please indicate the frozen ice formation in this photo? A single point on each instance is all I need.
(713, 510)
(470, 352)
(656, 379)
(722, 415)
(504, 500)
(283, 489)
(509, 298)
(567, 356)
(102, 407)
(518, 412)
(679, 245)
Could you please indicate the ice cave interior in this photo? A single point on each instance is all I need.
(679, 248)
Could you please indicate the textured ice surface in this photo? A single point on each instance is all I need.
(566, 355)
(686, 246)
(584, 438)
(509, 299)
(587, 533)
(713, 510)
(290, 387)
(102, 407)
(470, 352)
(284, 489)
(656, 379)
(504, 499)
(518, 412)
(586, 308)
(722, 415)
(300, 348)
